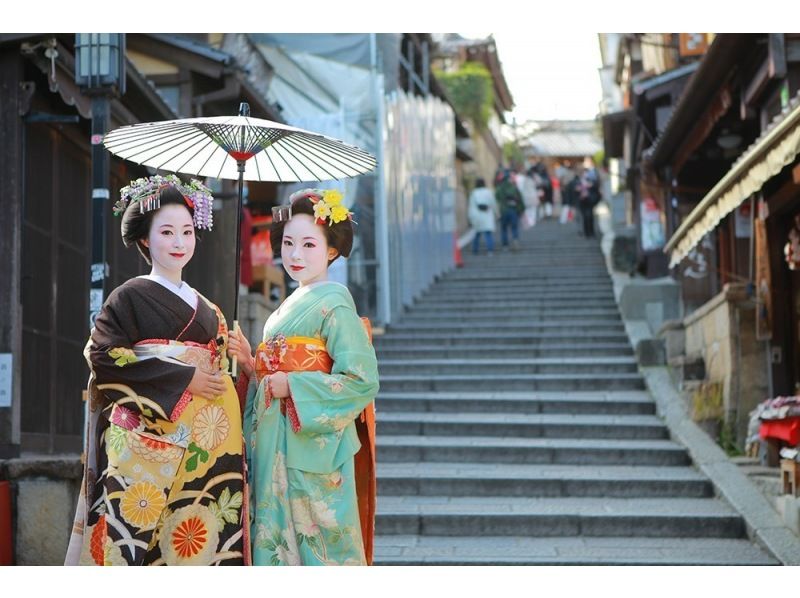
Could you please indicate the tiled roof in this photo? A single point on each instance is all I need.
(563, 143)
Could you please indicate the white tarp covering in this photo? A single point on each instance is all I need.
(420, 185)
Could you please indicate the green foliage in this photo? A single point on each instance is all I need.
(471, 91)
(727, 440)
(599, 158)
(707, 401)
(513, 155)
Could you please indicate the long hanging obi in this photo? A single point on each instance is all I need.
(164, 479)
(307, 354)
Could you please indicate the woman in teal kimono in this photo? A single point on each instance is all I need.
(308, 420)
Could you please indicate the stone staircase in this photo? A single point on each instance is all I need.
(514, 428)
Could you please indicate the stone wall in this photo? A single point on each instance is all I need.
(722, 332)
(44, 493)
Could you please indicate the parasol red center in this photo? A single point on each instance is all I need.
(241, 156)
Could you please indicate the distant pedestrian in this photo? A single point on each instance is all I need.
(589, 195)
(570, 194)
(511, 205)
(530, 197)
(482, 213)
(538, 172)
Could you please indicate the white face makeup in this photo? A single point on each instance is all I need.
(304, 250)
(171, 241)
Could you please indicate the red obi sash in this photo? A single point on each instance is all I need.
(306, 354)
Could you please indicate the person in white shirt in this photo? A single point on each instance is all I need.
(482, 213)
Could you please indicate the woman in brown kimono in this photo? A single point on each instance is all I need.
(163, 479)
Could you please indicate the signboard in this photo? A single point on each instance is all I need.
(5, 379)
(693, 44)
(652, 225)
(742, 220)
(763, 280)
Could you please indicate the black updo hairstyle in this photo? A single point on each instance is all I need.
(338, 235)
(135, 225)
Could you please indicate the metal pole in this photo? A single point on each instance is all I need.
(100, 196)
(239, 208)
(382, 251)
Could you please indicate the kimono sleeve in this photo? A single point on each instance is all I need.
(111, 358)
(326, 403)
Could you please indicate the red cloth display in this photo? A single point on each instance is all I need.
(246, 265)
(783, 429)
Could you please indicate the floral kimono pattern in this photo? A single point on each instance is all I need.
(304, 502)
(164, 473)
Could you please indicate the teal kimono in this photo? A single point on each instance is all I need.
(304, 507)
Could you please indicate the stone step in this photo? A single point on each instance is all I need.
(523, 276)
(522, 314)
(543, 339)
(620, 427)
(511, 365)
(533, 480)
(531, 382)
(561, 516)
(542, 289)
(563, 302)
(472, 297)
(499, 451)
(601, 550)
(596, 403)
(409, 351)
(516, 326)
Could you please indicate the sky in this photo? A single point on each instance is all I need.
(551, 75)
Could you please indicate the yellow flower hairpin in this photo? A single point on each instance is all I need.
(329, 208)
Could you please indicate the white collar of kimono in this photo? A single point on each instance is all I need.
(185, 292)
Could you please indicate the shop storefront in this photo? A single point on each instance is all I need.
(763, 333)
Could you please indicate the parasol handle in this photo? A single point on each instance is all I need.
(234, 362)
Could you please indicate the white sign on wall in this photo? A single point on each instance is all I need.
(5, 379)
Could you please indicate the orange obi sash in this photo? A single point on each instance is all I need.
(306, 354)
(293, 354)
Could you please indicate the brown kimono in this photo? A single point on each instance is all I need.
(163, 478)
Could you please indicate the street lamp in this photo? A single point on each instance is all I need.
(100, 72)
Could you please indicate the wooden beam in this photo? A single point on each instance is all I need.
(757, 84)
(792, 50)
(12, 132)
(186, 59)
(777, 55)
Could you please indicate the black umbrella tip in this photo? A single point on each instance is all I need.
(244, 109)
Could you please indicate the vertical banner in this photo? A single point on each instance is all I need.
(763, 276)
(6, 375)
(742, 221)
(652, 225)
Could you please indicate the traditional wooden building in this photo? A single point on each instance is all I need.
(715, 147)
(45, 224)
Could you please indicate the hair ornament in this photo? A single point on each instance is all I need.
(147, 193)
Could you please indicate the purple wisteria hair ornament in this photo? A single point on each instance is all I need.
(147, 193)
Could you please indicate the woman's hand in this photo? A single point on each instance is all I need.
(239, 347)
(279, 384)
(209, 386)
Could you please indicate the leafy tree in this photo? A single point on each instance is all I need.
(471, 91)
(513, 154)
